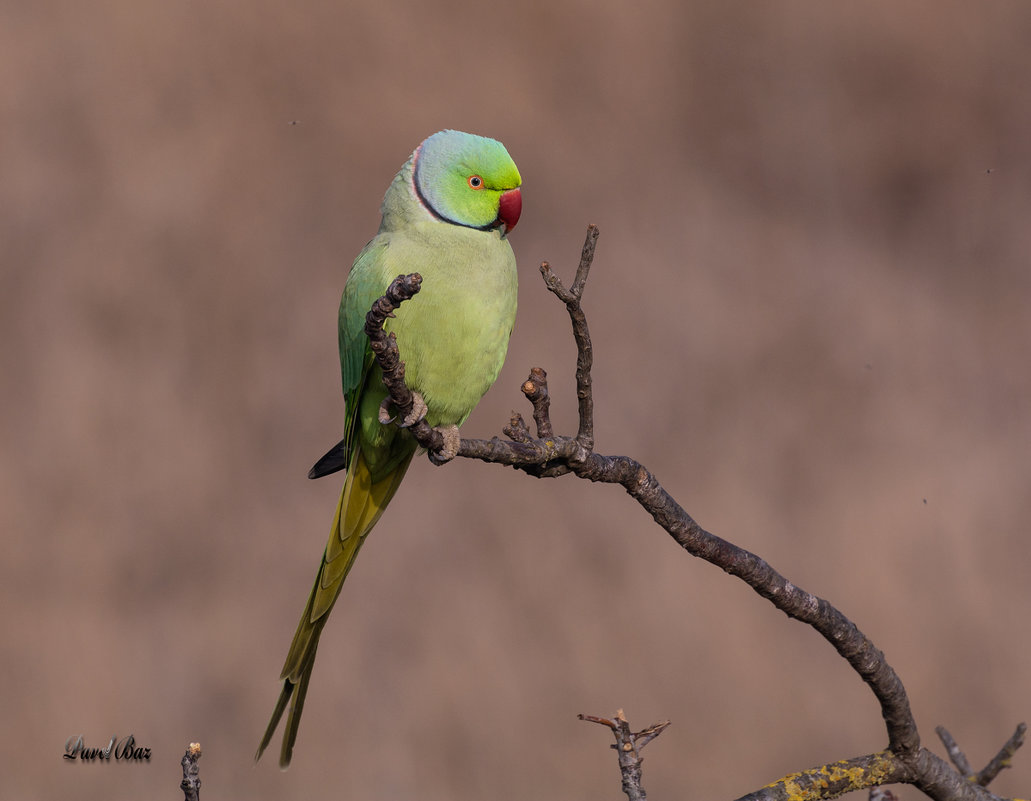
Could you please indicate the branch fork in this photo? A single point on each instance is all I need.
(542, 453)
(628, 746)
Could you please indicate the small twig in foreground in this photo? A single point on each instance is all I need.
(190, 784)
(628, 749)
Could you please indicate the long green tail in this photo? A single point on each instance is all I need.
(361, 504)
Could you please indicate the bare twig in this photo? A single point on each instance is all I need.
(628, 750)
(649, 733)
(584, 350)
(1002, 759)
(959, 759)
(516, 429)
(535, 388)
(905, 760)
(190, 784)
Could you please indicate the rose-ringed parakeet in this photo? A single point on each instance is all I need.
(446, 215)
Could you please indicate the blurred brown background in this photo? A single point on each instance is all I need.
(809, 310)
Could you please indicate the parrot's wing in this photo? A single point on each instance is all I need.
(367, 281)
(365, 284)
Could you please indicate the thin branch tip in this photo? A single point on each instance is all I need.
(1004, 758)
(190, 785)
(586, 259)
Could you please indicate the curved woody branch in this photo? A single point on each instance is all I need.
(547, 455)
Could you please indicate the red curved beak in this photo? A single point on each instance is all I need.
(509, 208)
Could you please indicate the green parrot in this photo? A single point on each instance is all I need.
(446, 215)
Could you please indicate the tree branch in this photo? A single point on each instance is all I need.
(628, 750)
(548, 455)
(837, 778)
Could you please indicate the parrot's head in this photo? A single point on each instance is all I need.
(468, 180)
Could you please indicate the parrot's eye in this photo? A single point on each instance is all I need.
(476, 182)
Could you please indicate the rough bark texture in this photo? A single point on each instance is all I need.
(190, 784)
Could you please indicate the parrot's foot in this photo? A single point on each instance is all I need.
(418, 412)
(449, 450)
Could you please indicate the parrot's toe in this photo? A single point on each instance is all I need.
(418, 411)
(449, 450)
